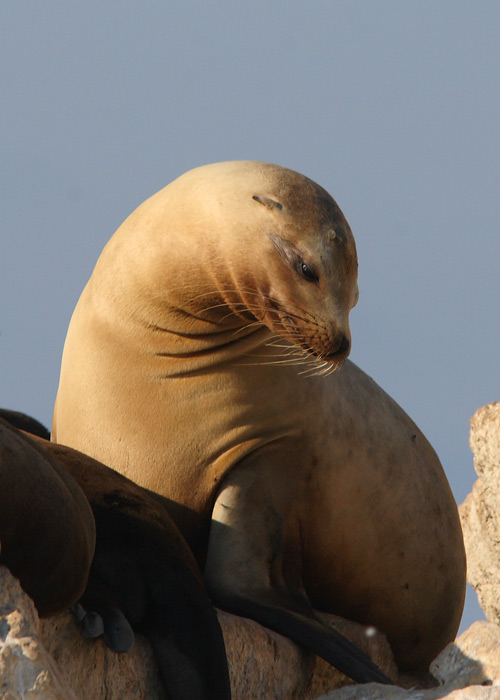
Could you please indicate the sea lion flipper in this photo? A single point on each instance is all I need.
(308, 631)
(92, 625)
(110, 624)
(253, 569)
(118, 634)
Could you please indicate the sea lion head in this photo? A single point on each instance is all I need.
(313, 268)
(235, 246)
(288, 251)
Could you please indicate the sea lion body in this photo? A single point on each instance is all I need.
(47, 531)
(168, 312)
(180, 371)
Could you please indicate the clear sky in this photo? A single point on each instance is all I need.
(392, 105)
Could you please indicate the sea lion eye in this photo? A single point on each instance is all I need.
(293, 257)
(307, 273)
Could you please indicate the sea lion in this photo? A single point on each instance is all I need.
(26, 423)
(143, 575)
(47, 531)
(193, 364)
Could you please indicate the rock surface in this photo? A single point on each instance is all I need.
(373, 691)
(467, 668)
(480, 512)
(26, 669)
(49, 660)
(44, 659)
(473, 659)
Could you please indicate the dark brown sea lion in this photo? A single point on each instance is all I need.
(183, 368)
(143, 575)
(47, 531)
(24, 422)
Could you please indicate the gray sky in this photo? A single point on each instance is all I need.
(393, 106)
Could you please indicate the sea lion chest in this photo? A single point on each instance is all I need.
(175, 421)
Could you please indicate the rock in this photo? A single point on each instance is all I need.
(485, 443)
(367, 638)
(480, 512)
(372, 691)
(49, 657)
(26, 669)
(94, 671)
(262, 664)
(467, 668)
(473, 659)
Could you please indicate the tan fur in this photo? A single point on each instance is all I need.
(180, 364)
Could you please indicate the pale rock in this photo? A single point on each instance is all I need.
(43, 660)
(466, 668)
(485, 443)
(373, 691)
(473, 659)
(262, 664)
(26, 669)
(480, 512)
(93, 671)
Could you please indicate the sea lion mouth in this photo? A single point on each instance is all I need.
(305, 331)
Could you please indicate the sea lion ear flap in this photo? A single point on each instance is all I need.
(267, 202)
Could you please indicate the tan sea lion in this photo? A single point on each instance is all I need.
(198, 362)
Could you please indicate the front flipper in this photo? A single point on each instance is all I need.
(110, 624)
(254, 563)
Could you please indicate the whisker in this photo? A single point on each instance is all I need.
(247, 326)
(294, 326)
(246, 290)
(326, 370)
(288, 363)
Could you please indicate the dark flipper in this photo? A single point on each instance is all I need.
(309, 632)
(193, 653)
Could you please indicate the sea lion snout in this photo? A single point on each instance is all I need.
(340, 348)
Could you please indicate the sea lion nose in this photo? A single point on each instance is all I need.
(342, 349)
